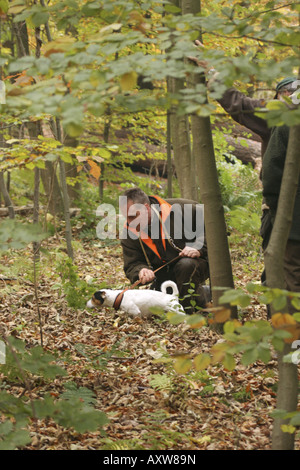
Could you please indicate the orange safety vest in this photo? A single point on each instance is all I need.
(165, 209)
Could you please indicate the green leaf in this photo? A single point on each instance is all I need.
(229, 362)
(82, 418)
(104, 153)
(18, 235)
(73, 129)
(81, 393)
(288, 428)
(172, 8)
(296, 315)
(196, 320)
(39, 18)
(249, 357)
(4, 6)
(51, 157)
(19, 438)
(264, 353)
(295, 421)
(6, 427)
(252, 287)
(279, 302)
(39, 363)
(229, 327)
(174, 318)
(276, 105)
(202, 361)
(128, 81)
(182, 364)
(67, 158)
(279, 414)
(278, 344)
(71, 413)
(235, 297)
(17, 8)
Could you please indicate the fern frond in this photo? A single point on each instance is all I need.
(124, 444)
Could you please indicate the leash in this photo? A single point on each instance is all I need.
(119, 298)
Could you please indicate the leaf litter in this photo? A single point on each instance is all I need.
(126, 363)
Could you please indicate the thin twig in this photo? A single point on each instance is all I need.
(37, 299)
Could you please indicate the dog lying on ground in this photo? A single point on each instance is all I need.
(139, 302)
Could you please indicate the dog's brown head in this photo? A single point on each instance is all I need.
(97, 299)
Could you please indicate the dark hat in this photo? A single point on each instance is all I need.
(282, 83)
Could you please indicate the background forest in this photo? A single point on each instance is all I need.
(99, 96)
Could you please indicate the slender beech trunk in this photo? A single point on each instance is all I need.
(64, 187)
(66, 200)
(287, 394)
(3, 187)
(215, 227)
(49, 175)
(106, 131)
(71, 171)
(169, 158)
(180, 136)
(192, 7)
(7, 201)
(221, 275)
(36, 249)
(36, 207)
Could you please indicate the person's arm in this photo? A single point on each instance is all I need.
(134, 260)
(242, 109)
(239, 106)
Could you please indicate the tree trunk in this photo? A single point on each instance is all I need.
(67, 208)
(215, 226)
(52, 189)
(180, 137)
(36, 206)
(71, 171)
(169, 158)
(7, 201)
(48, 176)
(288, 378)
(66, 200)
(21, 34)
(106, 131)
(287, 398)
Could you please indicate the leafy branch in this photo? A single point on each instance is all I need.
(74, 408)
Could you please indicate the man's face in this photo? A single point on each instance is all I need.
(283, 94)
(138, 216)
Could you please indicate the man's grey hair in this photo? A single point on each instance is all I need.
(137, 196)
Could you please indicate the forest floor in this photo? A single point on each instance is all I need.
(148, 404)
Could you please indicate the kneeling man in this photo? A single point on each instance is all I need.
(158, 231)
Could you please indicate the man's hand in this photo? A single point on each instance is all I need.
(198, 43)
(146, 275)
(200, 63)
(190, 252)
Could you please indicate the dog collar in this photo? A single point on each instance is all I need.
(118, 300)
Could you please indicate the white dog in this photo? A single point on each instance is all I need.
(139, 302)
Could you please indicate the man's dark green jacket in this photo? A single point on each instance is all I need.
(134, 253)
